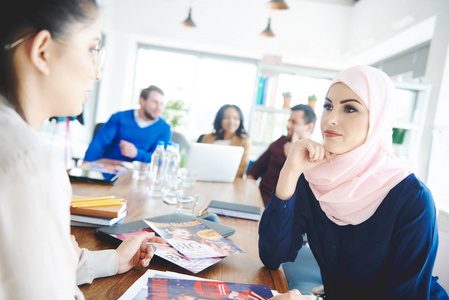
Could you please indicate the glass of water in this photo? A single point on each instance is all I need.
(187, 200)
(140, 171)
(188, 177)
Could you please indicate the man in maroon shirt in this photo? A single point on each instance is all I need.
(268, 166)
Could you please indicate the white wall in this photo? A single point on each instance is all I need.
(233, 27)
(378, 21)
(437, 122)
(310, 33)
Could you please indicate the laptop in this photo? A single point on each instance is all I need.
(214, 162)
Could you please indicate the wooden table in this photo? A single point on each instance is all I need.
(243, 268)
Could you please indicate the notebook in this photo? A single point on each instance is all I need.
(234, 210)
(214, 162)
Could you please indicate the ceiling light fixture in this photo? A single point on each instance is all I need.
(267, 32)
(189, 22)
(277, 4)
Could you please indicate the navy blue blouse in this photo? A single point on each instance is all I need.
(389, 256)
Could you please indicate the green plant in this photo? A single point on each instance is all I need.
(312, 98)
(398, 135)
(174, 112)
(286, 94)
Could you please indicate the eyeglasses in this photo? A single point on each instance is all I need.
(97, 52)
(18, 42)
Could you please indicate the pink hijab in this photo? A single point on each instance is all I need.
(351, 188)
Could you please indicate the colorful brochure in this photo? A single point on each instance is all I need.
(194, 239)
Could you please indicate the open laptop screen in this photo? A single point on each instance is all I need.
(214, 162)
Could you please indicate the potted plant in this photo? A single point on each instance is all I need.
(287, 99)
(398, 135)
(311, 101)
(174, 112)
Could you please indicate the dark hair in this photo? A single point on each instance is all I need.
(145, 92)
(20, 18)
(241, 132)
(309, 115)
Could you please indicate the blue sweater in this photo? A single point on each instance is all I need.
(389, 256)
(123, 126)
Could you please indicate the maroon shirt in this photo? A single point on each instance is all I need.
(268, 166)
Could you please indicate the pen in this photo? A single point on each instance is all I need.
(202, 211)
(114, 202)
(93, 199)
(157, 244)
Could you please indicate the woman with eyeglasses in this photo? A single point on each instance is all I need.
(49, 60)
(370, 222)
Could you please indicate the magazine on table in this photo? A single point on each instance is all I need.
(172, 255)
(194, 239)
(166, 288)
(139, 289)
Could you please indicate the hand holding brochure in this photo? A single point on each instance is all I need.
(173, 256)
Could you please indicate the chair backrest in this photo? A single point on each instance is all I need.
(180, 139)
(97, 127)
(441, 267)
(304, 273)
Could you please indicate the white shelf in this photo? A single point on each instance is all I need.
(405, 125)
(272, 110)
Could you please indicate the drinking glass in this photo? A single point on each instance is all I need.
(187, 200)
(188, 177)
(140, 170)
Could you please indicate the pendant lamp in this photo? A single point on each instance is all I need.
(277, 4)
(189, 22)
(267, 32)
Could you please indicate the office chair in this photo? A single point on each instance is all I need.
(97, 127)
(181, 140)
(304, 273)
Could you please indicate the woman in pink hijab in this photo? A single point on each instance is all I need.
(370, 222)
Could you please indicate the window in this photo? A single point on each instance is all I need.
(203, 82)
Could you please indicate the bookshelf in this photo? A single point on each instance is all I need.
(413, 101)
(268, 119)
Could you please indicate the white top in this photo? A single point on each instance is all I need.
(223, 142)
(141, 122)
(37, 257)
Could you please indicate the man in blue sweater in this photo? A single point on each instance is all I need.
(132, 134)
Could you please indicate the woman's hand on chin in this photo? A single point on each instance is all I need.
(305, 155)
